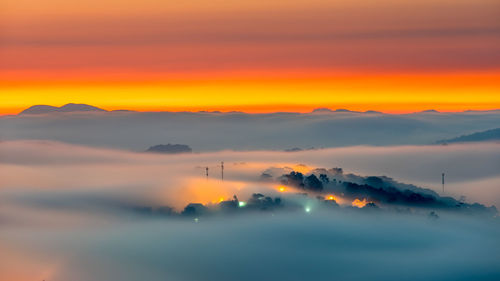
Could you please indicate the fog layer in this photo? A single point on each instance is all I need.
(240, 131)
(472, 170)
(65, 215)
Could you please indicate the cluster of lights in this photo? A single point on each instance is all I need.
(356, 203)
(359, 203)
(331, 198)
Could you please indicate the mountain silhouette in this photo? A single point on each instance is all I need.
(322, 110)
(70, 107)
(170, 148)
(489, 135)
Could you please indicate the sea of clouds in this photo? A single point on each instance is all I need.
(65, 215)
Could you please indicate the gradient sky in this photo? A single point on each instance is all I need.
(392, 56)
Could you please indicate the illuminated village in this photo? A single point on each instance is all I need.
(322, 190)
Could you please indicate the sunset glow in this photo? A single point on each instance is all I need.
(232, 56)
(202, 140)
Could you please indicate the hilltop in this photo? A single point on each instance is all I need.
(70, 107)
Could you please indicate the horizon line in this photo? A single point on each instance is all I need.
(239, 109)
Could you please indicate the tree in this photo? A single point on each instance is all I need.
(313, 183)
(295, 179)
(324, 178)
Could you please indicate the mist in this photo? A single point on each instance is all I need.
(205, 131)
(279, 246)
(71, 212)
(472, 170)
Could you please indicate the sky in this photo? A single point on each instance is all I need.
(253, 56)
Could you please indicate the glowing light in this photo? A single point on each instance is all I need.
(331, 198)
(221, 199)
(301, 168)
(242, 204)
(281, 189)
(308, 210)
(358, 203)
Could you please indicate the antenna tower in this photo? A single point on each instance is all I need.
(442, 180)
(222, 170)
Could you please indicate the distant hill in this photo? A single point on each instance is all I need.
(327, 110)
(322, 110)
(170, 148)
(243, 131)
(489, 135)
(345, 110)
(70, 107)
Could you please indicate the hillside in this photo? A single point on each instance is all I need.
(489, 135)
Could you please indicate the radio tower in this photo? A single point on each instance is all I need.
(442, 180)
(222, 170)
(206, 172)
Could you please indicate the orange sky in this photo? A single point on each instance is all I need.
(251, 56)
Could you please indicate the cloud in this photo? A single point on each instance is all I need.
(70, 213)
(334, 35)
(239, 131)
(43, 165)
(284, 247)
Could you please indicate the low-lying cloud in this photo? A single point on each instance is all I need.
(281, 247)
(70, 213)
(470, 170)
